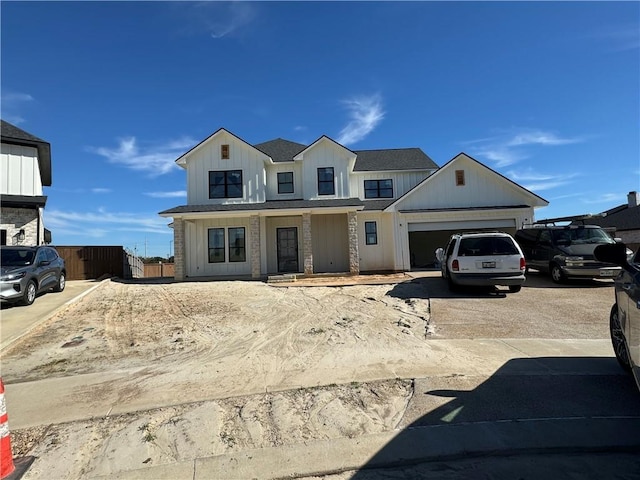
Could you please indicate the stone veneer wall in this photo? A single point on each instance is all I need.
(307, 244)
(15, 219)
(178, 252)
(354, 254)
(254, 234)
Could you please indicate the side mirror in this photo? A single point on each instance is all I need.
(615, 253)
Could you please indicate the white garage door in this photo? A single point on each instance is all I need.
(466, 225)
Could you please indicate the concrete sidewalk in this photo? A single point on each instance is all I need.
(17, 320)
(408, 447)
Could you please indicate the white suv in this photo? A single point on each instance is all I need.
(483, 259)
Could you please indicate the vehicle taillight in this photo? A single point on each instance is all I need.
(455, 265)
(523, 263)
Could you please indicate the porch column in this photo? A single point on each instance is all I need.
(178, 249)
(254, 233)
(307, 246)
(354, 254)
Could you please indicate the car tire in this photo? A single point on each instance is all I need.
(515, 288)
(556, 273)
(62, 282)
(617, 339)
(29, 294)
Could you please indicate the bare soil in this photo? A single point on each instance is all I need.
(289, 363)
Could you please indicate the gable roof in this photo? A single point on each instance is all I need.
(182, 159)
(323, 138)
(446, 166)
(622, 217)
(16, 136)
(392, 159)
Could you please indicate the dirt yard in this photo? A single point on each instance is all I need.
(282, 364)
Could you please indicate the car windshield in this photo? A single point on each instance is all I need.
(17, 258)
(483, 246)
(581, 235)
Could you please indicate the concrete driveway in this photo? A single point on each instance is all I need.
(18, 320)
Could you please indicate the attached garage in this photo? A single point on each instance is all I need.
(426, 237)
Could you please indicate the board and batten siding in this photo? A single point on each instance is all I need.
(326, 154)
(241, 157)
(272, 181)
(481, 188)
(197, 248)
(381, 256)
(19, 171)
(402, 181)
(330, 240)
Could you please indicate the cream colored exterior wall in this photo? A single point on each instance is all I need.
(19, 171)
(381, 256)
(482, 188)
(196, 240)
(402, 181)
(325, 154)
(272, 180)
(243, 157)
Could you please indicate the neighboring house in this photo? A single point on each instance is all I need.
(283, 207)
(25, 168)
(624, 219)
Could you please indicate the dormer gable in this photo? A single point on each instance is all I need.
(225, 150)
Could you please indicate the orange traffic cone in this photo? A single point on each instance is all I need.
(6, 457)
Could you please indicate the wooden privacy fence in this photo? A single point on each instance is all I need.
(159, 270)
(92, 262)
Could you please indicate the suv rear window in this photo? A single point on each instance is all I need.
(483, 246)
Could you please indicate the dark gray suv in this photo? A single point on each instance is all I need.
(27, 271)
(566, 251)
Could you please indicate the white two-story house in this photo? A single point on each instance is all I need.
(25, 168)
(283, 207)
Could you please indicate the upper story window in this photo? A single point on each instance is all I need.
(326, 185)
(285, 182)
(225, 184)
(224, 152)
(378, 188)
(459, 178)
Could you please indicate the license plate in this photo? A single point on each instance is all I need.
(608, 273)
(488, 264)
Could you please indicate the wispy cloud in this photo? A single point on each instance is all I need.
(536, 182)
(608, 198)
(515, 145)
(154, 160)
(101, 222)
(101, 190)
(179, 193)
(299, 128)
(621, 38)
(365, 114)
(13, 103)
(216, 19)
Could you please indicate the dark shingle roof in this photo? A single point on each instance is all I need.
(16, 136)
(621, 217)
(270, 205)
(281, 150)
(393, 159)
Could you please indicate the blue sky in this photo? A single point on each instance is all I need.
(546, 93)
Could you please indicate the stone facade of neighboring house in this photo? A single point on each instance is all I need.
(25, 168)
(283, 207)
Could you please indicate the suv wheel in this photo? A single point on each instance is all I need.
(556, 273)
(29, 295)
(617, 339)
(62, 281)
